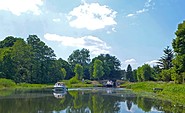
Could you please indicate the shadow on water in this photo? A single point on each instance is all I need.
(83, 100)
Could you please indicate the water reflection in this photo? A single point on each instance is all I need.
(83, 100)
(59, 94)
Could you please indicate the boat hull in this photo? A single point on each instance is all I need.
(60, 89)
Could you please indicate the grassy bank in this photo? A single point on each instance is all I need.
(86, 83)
(171, 91)
(9, 84)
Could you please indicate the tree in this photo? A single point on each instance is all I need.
(129, 74)
(147, 73)
(156, 72)
(81, 57)
(139, 74)
(15, 59)
(63, 71)
(43, 60)
(144, 73)
(78, 71)
(21, 55)
(111, 66)
(165, 62)
(179, 49)
(8, 41)
(64, 64)
(98, 69)
(166, 75)
(135, 75)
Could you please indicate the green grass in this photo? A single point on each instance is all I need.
(86, 83)
(9, 84)
(171, 91)
(27, 85)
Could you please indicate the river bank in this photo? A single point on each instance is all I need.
(170, 91)
(167, 91)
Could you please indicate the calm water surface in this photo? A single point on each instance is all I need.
(82, 100)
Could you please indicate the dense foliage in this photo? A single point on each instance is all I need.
(32, 61)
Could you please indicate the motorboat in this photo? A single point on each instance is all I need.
(60, 86)
(109, 83)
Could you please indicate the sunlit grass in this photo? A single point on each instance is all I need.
(85, 83)
(171, 91)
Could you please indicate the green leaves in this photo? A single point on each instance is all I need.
(98, 69)
(81, 57)
(179, 48)
(78, 71)
(165, 62)
(144, 73)
(111, 66)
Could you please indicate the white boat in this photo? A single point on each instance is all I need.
(109, 83)
(60, 86)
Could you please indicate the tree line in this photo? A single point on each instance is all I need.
(32, 61)
(170, 67)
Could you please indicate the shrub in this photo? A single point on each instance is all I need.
(6, 82)
(87, 81)
(166, 75)
(73, 80)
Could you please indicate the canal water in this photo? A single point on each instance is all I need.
(83, 100)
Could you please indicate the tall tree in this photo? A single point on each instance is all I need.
(81, 57)
(43, 57)
(78, 71)
(111, 66)
(165, 62)
(144, 73)
(21, 55)
(98, 69)
(63, 71)
(64, 64)
(8, 41)
(179, 49)
(129, 74)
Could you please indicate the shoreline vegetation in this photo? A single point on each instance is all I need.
(170, 91)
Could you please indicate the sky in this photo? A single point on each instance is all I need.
(135, 31)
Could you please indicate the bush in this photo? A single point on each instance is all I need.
(73, 80)
(166, 75)
(6, 83)
(87, 82)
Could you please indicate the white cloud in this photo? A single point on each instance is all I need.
(56, 20)
(141, 11)
(92, 16)
(131, 14)
(17, 7)
(112, 30)
(94, 44)
(145, 9)
(130, 61)
(152, 63)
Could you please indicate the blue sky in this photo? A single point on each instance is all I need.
(135, 31)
